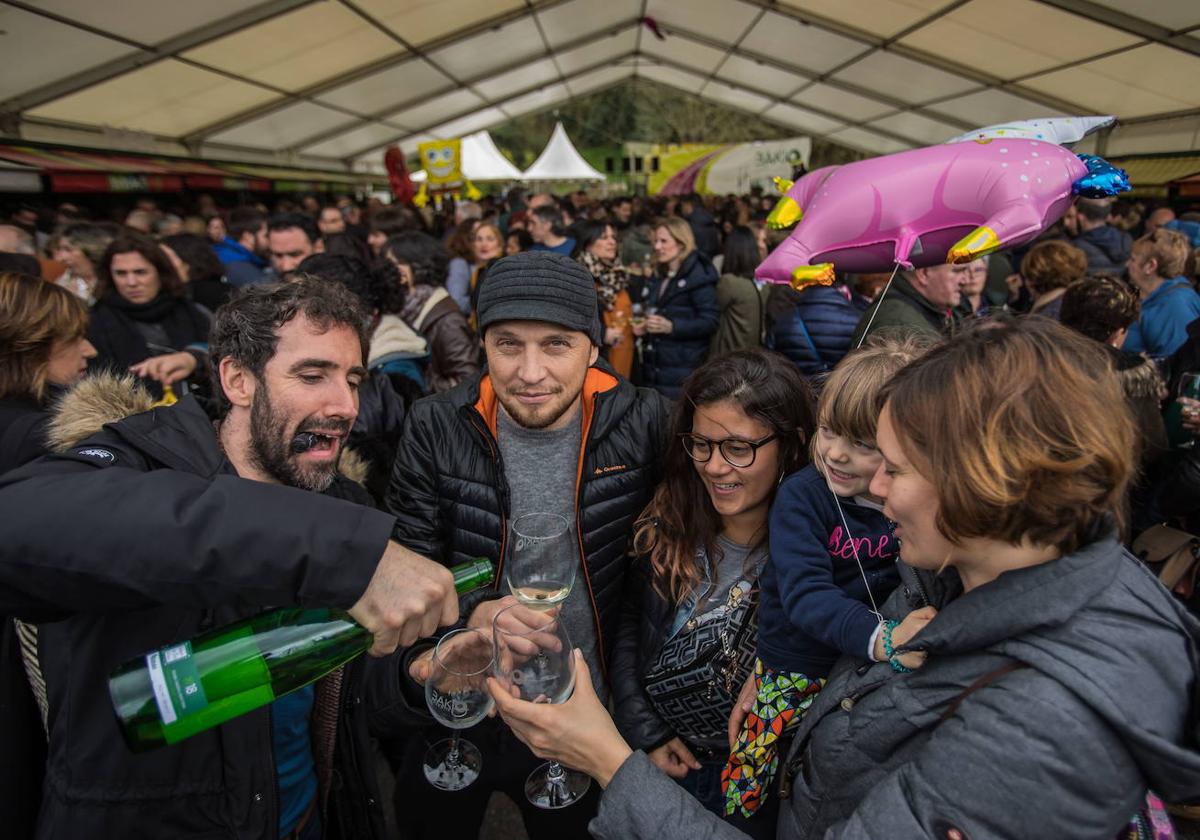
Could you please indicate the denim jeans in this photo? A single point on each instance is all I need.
(705, 785)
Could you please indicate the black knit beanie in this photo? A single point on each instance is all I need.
(540, 286)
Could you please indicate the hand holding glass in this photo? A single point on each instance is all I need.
(457, 695)
(537, 665)
(541, 560)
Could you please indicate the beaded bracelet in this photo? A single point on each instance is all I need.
(889, 651)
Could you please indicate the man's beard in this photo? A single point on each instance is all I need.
(536, 417)
(270, 447)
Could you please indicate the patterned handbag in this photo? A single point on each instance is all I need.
(699, 672)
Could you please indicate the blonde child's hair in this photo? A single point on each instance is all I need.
(849, 404)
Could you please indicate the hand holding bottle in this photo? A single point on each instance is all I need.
(408, 597)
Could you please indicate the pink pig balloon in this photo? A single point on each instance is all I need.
(941, 204)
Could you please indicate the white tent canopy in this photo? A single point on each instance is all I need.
(334, 82)
(560, 161)
(482, 161)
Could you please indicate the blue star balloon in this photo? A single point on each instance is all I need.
(1103, 179)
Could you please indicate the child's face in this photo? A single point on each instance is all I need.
(848, 465)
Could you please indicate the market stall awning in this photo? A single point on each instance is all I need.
(76, 170)
(18, 178)
(1160, 170)
(286, 179)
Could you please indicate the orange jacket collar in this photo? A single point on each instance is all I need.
(596, 382)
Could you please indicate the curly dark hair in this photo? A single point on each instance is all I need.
(424, 254)
(377, 288)
(247, 328)
(198, 254)
(1098, 307)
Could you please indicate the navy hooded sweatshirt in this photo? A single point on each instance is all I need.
(813, 605)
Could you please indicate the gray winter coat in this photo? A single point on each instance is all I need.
(1064, 745)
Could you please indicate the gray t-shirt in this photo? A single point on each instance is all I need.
(541, 467)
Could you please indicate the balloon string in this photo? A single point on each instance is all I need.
(875, 311)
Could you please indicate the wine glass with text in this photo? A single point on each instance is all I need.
(457, 696)
(533, 661)
(541, 560)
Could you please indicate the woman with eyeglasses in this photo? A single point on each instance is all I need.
(687, 641)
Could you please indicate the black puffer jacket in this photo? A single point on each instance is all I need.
(450, 498)
(143, 536)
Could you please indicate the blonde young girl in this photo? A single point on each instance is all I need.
(832, 560)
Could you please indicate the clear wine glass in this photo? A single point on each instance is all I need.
(533, 661)
(456, 693)
(541, 560)
(638, 315)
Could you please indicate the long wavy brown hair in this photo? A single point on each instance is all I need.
(680, 518)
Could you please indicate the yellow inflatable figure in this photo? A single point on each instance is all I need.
(442, 160)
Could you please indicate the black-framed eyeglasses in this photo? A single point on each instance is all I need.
(737, 452)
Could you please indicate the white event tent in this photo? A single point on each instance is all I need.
(561, 161)
(481, 160)
(332, 83)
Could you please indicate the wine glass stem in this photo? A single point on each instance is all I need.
(554, 772)
(452, 757)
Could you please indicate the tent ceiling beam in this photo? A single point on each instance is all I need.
(873, 44)
(776, 99)
(146, 53)
(1127, 23)
(286, 97)
(380, 116)
(550, 51)
(423, 129)
(787, 66)
(731, 49)
(311, 92)
(986, 80)
(415, 51)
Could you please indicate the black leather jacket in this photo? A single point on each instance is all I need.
(645, 620)
(450, 498)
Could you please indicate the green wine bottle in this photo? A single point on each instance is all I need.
(176, 691)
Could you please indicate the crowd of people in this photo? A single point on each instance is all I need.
(852, 561)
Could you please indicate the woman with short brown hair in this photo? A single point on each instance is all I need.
(1169, 303)
(1047, 270)
(1055, 682)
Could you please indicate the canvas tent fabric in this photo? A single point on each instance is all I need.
(331, 83)
(482, 161)
(561, 161)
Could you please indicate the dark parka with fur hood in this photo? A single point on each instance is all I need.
(138, 535)
(450, 497)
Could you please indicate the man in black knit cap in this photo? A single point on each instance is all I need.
(547, 428)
